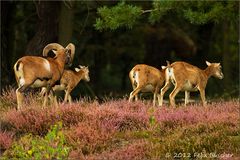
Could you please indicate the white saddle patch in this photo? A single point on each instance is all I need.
(47, 65)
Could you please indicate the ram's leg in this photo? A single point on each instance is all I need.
(53, 97)
(66, 97)
(20, 98)
(69, 99)
(136, 97)
(156, 92)
(173, 94)
(163, 90)
(154, 99)
(43, 92)
(187, 96)
(46, 98)
(48, 89)
(20, 91)
(67, 93)
(202, 94)
(134, 93)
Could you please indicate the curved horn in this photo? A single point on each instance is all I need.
(51, 46)
(71, 47)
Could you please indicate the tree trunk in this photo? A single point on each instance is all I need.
(47, 27)
(7, 41)
(66, 23)
(226, 58)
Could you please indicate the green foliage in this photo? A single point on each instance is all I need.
(203, 13)
(196, 12)
(160, 8)
(152, 120)
(52, 146)
(120, 15)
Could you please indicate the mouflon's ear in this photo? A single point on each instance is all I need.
(81, 66)
(168, 63)
(77, 69)
(208, 63)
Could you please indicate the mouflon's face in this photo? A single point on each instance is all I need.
(217, 69)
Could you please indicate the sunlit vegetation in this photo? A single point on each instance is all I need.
(117, 129)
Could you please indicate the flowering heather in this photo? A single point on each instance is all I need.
(88, 137)
(121, 115)
(6, 139)
(36, 120)
(117, 129)
(225, 113)
(8, 98)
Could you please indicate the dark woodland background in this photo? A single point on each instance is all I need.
(27, 26)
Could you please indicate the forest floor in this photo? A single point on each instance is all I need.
(118, 129)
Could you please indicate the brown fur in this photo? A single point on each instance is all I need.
(147, 75)
(187, 77)
(69, 81)
(32, 69)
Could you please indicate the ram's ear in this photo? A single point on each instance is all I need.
(163, 67)
(77, 69)
(54, 55)
(54, 51)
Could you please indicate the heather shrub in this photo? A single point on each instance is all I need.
(28, 120)
(6, 139)
(96, 133)
(70, 114)
(171, 118)
(121, 115)
(88, 137)
(117, 129)
(125, 121)
(37, 120)
(8, 99)
(52, 146)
